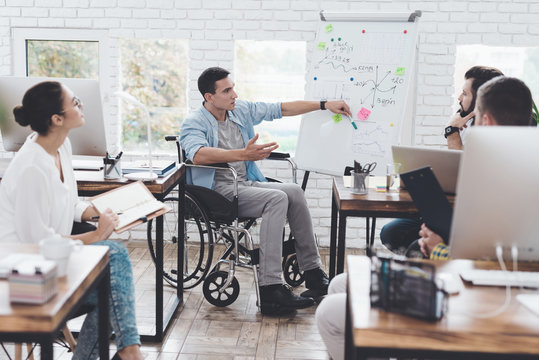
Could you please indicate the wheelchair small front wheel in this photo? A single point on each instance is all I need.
(292, 274)
(214, 282)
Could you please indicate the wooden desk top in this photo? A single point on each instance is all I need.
(83, 268)
(514, 331)
(375, 202)
(91, 183)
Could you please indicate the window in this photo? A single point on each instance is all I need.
(272, 71)
(58, 58)
(70, 53)
(154, 72)
(520, 62)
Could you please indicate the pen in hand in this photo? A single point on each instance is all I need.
(95, 218)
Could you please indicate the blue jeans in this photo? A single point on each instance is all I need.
(398, 234)
(121, 303)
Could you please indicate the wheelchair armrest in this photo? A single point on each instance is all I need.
(218, 166)
(172, 138)
(274, 155)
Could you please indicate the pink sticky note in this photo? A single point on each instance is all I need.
(363, 114)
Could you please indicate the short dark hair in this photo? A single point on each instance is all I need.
(208, 78)
(39, 104)
(507, 99)
(480, 75)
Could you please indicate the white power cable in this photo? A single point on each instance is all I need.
(501, 309)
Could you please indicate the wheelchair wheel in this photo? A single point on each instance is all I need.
(214, 282)
(198, 244)
(292, 274)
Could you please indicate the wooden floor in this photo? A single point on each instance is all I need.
(203, 331)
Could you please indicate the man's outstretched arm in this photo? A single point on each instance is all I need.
(299, 107)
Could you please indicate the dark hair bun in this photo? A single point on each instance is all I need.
(18, 111)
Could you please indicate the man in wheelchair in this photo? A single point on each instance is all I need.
(222, 131)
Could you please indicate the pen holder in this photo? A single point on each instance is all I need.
(360, 181)
(112, 169)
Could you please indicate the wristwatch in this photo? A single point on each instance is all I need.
(323, 104)
(450, 130)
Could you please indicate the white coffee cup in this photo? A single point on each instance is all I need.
(58, 249)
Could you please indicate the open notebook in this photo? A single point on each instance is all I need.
(134, 203)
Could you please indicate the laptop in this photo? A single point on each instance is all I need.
(498, 194)
(444, 163)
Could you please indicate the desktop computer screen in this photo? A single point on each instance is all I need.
(497, 200)
(87, 140)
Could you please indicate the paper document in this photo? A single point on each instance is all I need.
(133, 202)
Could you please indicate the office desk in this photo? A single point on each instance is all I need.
(371, 332)
(87, 269)
(395, 204)
(91, 183)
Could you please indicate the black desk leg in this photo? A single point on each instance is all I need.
(369, 235)
(341, 244)
(46, 347)
(333, 237)
(103, 294)
(159, 279)
(181, 240)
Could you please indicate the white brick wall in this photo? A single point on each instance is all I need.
(213, 25)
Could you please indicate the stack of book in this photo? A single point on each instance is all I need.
(33, 282)
(159, 167)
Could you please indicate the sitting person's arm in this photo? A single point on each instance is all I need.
(251, 152)
(432, 244)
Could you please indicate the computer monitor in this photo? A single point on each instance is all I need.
(87, 140)
(497, 194)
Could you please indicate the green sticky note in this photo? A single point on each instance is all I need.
(329, 28)
(399, 71)
(337, 118)
(321, 45)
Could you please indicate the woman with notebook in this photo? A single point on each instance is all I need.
(38, 199)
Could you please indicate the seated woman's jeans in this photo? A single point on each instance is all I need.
(121, 303)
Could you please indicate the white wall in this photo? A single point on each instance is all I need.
(212, 26)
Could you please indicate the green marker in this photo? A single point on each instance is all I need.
(352, 121)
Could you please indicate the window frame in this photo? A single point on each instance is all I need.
(21, 35)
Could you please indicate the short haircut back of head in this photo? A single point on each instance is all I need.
(507, 99)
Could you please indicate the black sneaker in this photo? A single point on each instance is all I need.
(279, 299)
(316, 282)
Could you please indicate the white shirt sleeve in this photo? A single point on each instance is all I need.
(80, 206)
(32, 210)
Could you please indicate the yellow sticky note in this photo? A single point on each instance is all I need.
(329, 28)
(321, 45)
(336, 118)
(399, 71)
(391, 124)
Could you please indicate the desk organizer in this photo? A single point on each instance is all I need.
(407, 287)
(33, 282)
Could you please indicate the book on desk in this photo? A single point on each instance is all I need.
(133, 203)
(159, 167)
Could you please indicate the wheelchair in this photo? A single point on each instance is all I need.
(209, 219)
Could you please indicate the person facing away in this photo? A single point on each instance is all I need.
(38, 199)
(500, 101)
(222, 131)
(399, 234)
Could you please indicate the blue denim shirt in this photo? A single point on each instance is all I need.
(200, 129)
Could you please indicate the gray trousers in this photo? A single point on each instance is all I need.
(274, 202)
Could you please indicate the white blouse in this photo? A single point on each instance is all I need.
(34, 202)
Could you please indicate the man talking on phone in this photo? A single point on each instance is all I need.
(455, 130)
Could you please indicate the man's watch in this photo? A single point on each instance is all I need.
(323, 104)
(450, 130)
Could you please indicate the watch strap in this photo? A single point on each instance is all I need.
(323, 104)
